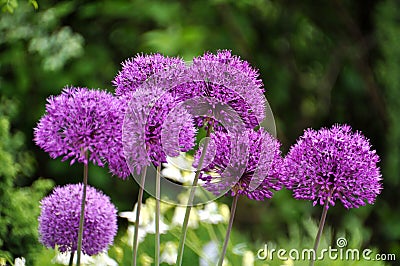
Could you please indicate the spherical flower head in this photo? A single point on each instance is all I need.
(226, 57)
(221, 80)
(333, 164)
(80, 121)
(59, 220)
(219, 87)
(115, 156)
(255, 174)
(137, 70)
(154, 127)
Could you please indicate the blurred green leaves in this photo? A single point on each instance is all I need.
(11, 5)
(54, 44)
(19, 206)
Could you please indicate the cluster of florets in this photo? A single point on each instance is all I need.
(159, 105)
(59, 220)
(333, 164)
(252, 169)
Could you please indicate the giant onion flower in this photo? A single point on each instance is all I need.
(254, 173)
(59, 220)
(333, 164)
(81, 121)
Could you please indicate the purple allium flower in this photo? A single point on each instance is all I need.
(178, 132)
(226, 57)
(80, 120)
(225, 80)
(334, 164)
(137, 70)
(153, 125)
(115, 156)
(248, 165)
(59, 220)
(219, 87)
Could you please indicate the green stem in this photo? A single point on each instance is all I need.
(71, 259)
(139, 207)
(320, 228)
(157, 217)
(82, 215)
(228, 231)
(181, 246)
(195, 247)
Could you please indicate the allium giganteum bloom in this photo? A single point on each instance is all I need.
(152, 129)
(137, 70)
(333, 163)
(80, 120)
(59, 220)
(147, 107)
(255, 173)
(224, 79)
(153, 85)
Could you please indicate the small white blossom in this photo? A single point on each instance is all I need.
(170, 253)
(146, 220)
(131, 232)
(179, 216)
(248, 258)
(225, 212)
(210, 214)
(179, 169)
(64, 257)
(211, 251)
(145, 215)
(19, 261)
(103, 259)
(151, 227)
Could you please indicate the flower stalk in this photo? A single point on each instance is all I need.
(138, 209)
(181, 246)
(321, 227)
(83, 203)
(157, 217)
(71, 259)
(228, 231)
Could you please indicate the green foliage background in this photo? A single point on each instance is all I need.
(322, 63)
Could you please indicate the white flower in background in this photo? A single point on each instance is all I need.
(225, 212)
(183, 162)
(64, 257)
(151, 206)
(101, 259)
(61, 258)
(179, 169)
(248, 258)
(146, 220)
(211, 252)
(130, 234)
(151, 227)
(19, 261)
(179, 216)
(210, 214)
(145, 260)
(170, 253)
(145, 214)
(239, 249)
